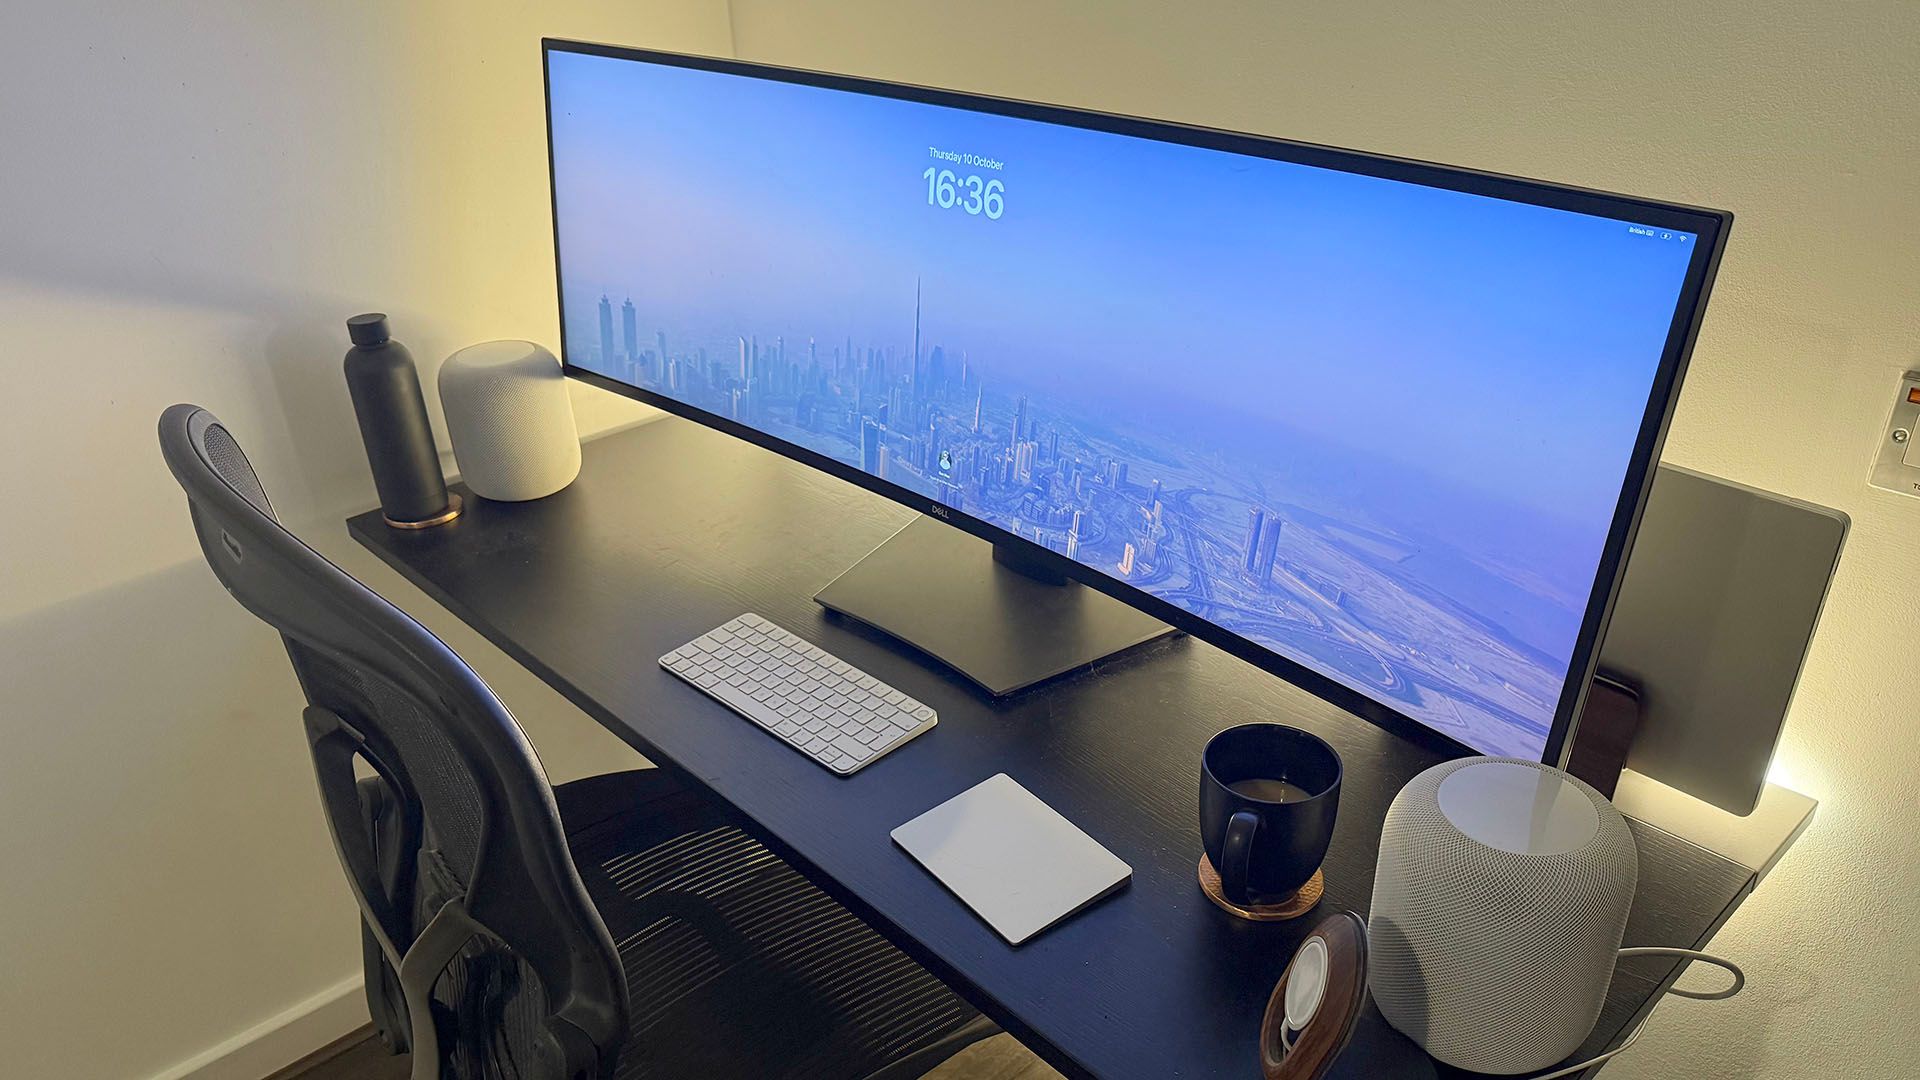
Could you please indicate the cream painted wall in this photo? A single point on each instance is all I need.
(1804, 119)
(192, 197)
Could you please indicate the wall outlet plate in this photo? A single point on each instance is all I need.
(1896, 464)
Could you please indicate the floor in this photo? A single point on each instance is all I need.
(998, 1058)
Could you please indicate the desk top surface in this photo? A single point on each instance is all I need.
(672, 529)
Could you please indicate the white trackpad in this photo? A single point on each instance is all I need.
(1012, 858)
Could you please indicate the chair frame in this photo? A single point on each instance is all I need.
(523, 889)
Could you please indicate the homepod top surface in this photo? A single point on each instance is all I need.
(1518, 809)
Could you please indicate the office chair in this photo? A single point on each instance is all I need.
(617, 926)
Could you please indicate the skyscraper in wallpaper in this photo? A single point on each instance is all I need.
(1377, 428)
(608, 357)
(630, 331)
(916, 384)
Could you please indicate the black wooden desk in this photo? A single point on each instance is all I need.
(672, 529)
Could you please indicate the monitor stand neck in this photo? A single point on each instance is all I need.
(1023, 562)
(992, 612)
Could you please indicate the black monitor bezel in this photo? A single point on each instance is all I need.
(1709, 226)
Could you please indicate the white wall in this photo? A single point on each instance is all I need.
(192, 197)
(1804, 119)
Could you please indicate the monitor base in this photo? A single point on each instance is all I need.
(1002, 621)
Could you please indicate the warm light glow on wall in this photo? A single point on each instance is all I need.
(1785, 773)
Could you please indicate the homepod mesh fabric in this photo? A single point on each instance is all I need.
(1493, 960)
(510, 420)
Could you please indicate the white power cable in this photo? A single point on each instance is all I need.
(1690, 955)
(1739, 977)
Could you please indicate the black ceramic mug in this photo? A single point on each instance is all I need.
(1268, 795)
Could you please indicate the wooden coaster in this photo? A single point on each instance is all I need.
(1292, 907)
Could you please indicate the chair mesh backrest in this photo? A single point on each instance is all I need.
(480, 821)
(224, 455)
(449, 798)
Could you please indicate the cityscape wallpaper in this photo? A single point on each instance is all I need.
(1378, 428)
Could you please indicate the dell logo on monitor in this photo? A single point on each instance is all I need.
(940, 512)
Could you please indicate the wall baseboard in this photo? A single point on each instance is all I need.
(281, 1040)
(342, 1045)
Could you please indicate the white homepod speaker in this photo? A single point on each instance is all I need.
(510, 420)
(1499, 901)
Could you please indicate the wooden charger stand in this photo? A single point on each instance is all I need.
(1327, 1007)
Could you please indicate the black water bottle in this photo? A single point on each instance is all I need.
(385, 388)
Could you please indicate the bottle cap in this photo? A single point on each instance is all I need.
(368, 329)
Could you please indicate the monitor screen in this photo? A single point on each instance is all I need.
(1355, 419)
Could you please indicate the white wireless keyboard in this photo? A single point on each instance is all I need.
(810, 699)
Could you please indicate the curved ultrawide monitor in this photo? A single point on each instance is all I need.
(1378, 426)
